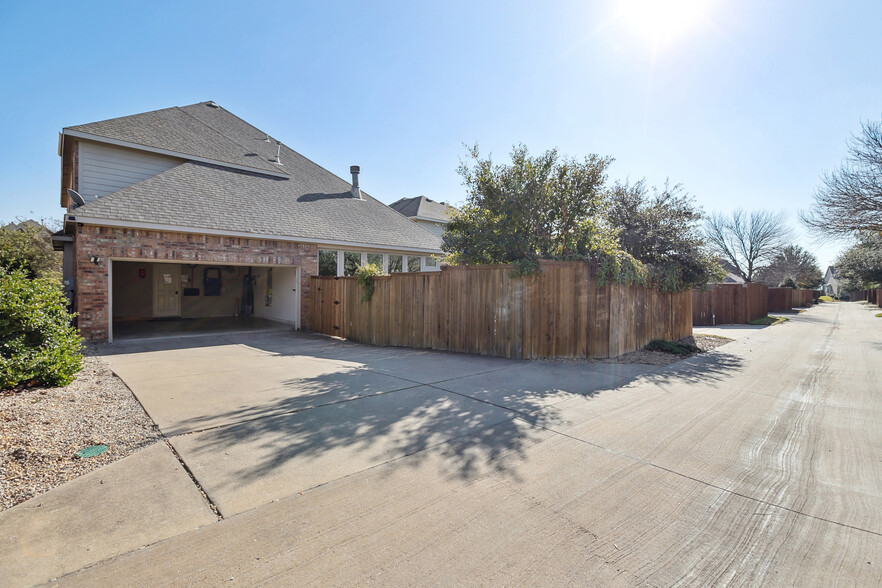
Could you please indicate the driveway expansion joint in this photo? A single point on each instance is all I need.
(211, 503)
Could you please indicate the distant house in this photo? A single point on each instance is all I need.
(192, 213)
(29, 224)
(732, 275)
(831, 285)
(425, 212)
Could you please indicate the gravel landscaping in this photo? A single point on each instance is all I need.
(41, 430)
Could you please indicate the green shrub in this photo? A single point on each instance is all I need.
(365, 275)
(37, 342)
(825, 298)
(768, 320)
(674, 347)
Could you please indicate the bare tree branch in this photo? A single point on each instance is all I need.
(748, 241)
(850, 199)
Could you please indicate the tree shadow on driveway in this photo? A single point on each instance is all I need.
(328, 426)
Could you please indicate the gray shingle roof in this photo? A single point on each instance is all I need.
(197, 130)
(422, 207)
(310, 203)
(315, 205)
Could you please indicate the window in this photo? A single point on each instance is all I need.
(351, 261)
(394, 263)
(327, 262)
(413, 263)
(431, 262)
(376, 259)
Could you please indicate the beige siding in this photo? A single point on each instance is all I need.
(104, 169)
(436, 228)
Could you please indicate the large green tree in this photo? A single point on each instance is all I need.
(661, 228)
(536, 207)
(860, 266)
(792, 266)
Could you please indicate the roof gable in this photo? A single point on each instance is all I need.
(200, 130)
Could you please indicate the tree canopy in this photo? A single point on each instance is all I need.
(849, 199)
(661, 228)
(748, 241)
(537, 207)
(860, 266)
(792, 266)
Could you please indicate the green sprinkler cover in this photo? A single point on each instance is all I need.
(92, 451)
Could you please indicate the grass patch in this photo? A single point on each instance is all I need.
(826, 298)
(674, 347)
(769, 320)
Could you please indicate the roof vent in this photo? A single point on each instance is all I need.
(212, 104)
(356, 192)
(278, 159)
(266, 138)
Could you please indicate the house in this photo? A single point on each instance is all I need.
(423, 211)
(192, 213)
(831, 285)
(732, 275)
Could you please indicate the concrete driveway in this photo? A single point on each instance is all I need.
(257, 417)
(338, 464)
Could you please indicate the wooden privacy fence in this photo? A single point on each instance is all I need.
(803, 298)
(562, 312)
(780, 299)
(729, 304)
(871, 296)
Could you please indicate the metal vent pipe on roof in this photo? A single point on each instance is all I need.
(356, 192)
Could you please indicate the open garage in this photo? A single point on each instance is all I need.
(150, 298)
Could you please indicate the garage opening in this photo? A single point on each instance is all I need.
(153, 299)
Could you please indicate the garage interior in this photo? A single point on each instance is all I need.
(154, 299)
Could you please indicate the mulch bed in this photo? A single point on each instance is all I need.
(41, 430)
(703, 342)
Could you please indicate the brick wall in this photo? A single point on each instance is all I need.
(113, 242)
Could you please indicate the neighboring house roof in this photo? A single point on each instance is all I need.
(423, 208)
(307, 202)
(29, 223)
(732, 275)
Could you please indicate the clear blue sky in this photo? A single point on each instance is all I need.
(743, 102)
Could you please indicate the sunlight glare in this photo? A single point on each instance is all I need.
(661, 22)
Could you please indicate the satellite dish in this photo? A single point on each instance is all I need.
(75, 196)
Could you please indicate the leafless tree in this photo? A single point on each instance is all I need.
(850, 199)
(748, 241)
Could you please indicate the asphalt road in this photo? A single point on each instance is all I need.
(758, 464)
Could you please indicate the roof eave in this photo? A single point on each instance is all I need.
(74, 218)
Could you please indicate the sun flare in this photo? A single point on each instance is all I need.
(660, 22)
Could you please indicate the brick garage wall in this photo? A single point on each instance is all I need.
(114, 242)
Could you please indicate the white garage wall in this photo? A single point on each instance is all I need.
(284, 307)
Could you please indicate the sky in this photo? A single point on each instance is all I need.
(745, 103)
